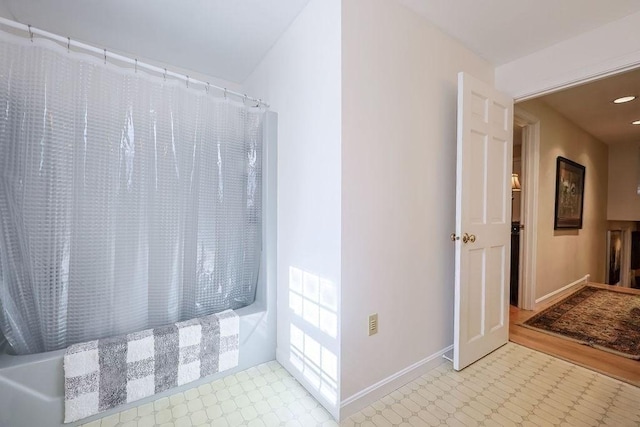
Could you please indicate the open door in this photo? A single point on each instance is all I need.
(483, 220)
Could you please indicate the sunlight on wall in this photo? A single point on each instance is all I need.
(314, 330)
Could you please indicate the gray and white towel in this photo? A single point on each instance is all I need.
(105, 373)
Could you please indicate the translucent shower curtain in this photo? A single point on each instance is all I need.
(126, 202)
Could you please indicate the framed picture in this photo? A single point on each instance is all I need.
(614, 256)
(569, 194)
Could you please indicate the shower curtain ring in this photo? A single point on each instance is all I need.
(225, 93)
(68, 44)
(105, 56)
(136, 69)
(207, 88)
(164, 76)
(187, 82)
(30, 33)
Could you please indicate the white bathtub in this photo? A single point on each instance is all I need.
(32, 386)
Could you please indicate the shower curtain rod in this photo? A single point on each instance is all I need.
(137, 64)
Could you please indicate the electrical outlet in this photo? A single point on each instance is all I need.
(373, 324)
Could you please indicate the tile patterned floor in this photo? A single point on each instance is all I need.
(513, 386)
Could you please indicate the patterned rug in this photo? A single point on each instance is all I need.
(597, 317)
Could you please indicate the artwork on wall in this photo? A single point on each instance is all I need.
(569, 194)
(614, 256)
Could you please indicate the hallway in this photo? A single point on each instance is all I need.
(622, 368)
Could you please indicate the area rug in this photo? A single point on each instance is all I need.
(597, 317)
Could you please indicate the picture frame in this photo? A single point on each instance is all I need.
(569, 194)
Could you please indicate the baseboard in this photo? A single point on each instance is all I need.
(583, 280)
(369, 395)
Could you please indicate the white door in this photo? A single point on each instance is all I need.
(483, 220)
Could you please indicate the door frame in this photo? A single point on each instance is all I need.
(531, 137)
(529, 206)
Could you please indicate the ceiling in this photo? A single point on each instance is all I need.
(590, 106)
(228, 38)
(221, 38)
(503, 30)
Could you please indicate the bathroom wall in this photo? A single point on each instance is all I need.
(301, 78)
(399, 80)
(4, 11)
(367, 139)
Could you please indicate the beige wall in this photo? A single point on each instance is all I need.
(567, 255)
(624, 179)
(399, 96)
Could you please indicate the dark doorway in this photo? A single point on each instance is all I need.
(515, 263)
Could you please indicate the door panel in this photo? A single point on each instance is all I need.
(475, 315)
(483, 220)
(494, 302)
(476, 205)
(496, 169)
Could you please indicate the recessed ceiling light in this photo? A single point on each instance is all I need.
(624, 99)
(637, 122)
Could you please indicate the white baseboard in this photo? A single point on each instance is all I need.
(369, 395)
(583, 280)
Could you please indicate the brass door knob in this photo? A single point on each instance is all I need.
(454, 237)
(466, 238)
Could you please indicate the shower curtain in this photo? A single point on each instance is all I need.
(126, 201)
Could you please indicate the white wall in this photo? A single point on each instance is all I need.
(4, 11)
(140, 56)
(300, 77)
(624, 181)
(564, 256)
(399, 85)
(614, 46)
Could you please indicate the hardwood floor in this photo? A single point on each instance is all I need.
(606, 363)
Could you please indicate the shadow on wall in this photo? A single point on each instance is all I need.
(314, 330)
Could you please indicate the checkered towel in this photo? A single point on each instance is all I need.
(102, 374)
